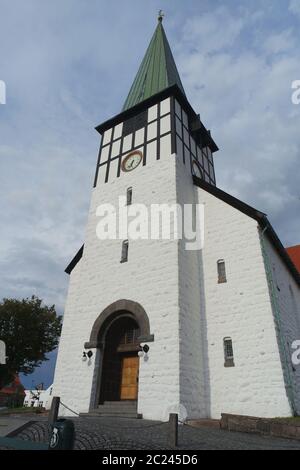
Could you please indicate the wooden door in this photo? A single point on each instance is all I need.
(129, 379)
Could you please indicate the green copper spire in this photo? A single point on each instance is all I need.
(157, 70)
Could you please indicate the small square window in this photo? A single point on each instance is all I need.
(221, 271)
(124, 255)
(228, 352)
(129, 196)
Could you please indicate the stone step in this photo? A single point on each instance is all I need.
(115, 410)
(111, 414)
(120, 402)
(120, 409)
(117, 405)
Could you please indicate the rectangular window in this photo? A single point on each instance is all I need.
(129, 196)
(124, 256)
(228, 353)
(221, 272)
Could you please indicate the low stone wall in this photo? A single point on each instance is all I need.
(284, 428)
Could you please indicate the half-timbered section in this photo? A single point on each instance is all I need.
(151, 327)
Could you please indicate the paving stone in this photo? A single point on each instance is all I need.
(122, 433)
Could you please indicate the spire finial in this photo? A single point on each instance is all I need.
(160, 16)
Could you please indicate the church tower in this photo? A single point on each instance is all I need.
(148, 153)
(144, 329)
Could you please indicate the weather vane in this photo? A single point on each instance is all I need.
(160, 15)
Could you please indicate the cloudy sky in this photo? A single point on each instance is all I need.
(68, 66)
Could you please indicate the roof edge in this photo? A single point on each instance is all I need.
(257, 215)
(231, 200)
(272, 235)
(173, 90)
(74, 261)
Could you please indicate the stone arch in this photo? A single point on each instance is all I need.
(112, 313)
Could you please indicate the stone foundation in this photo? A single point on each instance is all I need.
(284, 428)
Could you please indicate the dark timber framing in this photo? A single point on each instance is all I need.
(109, 155)
(198, 130)
(158, 132)
(195, 127)
(173, 126)
(105, 166)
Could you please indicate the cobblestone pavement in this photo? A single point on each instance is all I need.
(122, 433)
(8, 424)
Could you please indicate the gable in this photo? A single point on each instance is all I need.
(257, 215)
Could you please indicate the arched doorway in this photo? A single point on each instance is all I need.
(106, 337)
(120, 366)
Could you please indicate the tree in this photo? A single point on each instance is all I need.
(30, 330)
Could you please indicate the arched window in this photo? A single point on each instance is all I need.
(228, 352)
(221, 271)
(124, 255)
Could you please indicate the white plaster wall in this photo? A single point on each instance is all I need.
(239, 309)
(189, 312)
(192, 319)
(150, 277)
(287, 295)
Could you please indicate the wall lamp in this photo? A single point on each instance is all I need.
(86, 355)
(143, 352)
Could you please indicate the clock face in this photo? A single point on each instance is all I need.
(197, 170)
(131, 161)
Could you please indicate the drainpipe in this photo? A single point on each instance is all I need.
(285, 355)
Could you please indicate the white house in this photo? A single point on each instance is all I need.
(39, 398)
(218, 323)
(2, 352)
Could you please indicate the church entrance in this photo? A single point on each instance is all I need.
(129, 380)
(120, 361)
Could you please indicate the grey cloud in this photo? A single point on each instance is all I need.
(69, 65)
(245, 97)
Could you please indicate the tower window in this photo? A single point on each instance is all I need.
(228, 352)
(129, 196)
(221, 271)
(124, 256)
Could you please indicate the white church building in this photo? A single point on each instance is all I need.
(151, 327)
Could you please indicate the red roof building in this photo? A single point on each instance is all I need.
(12, 394)
(294, 253)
